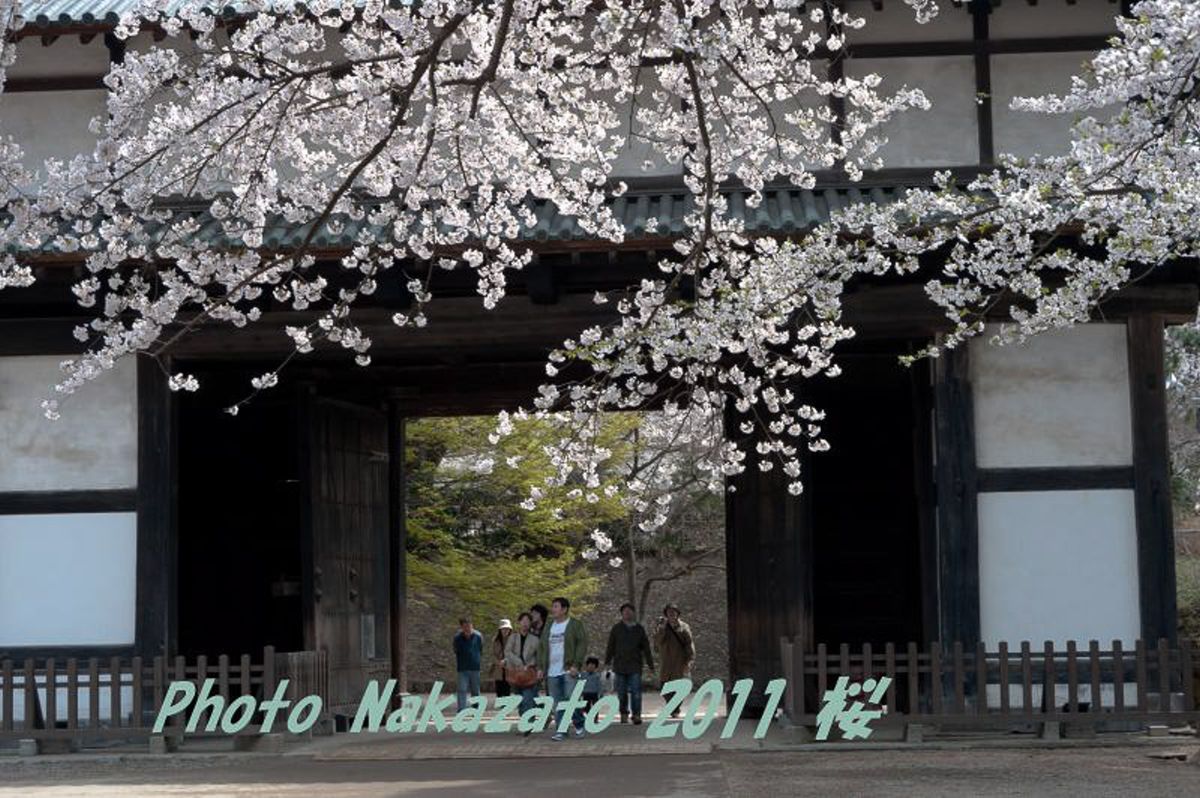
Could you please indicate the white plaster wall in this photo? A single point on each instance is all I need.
(1017, 20)
(638, 152)
(1031, 75)
(68, 579)
(1060, 399)
(1058, 566)
(946, 134)
(92, 446)
(51, 124)
(65, 57)
(897, 22)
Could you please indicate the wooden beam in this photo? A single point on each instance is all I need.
(958, 514)
(55, 83)
(933, 49)
(1152, 478)
(983, 84)
(103, 652)
(47, 502)
(1001, 480)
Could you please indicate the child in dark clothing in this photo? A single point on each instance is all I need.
(591, 684)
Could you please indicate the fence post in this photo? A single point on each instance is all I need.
(914, 679)
(1140, 670)
(1118, 676)
(1186, 673)
(160, 679)
(51, 694)
(201, 675)
(1049, 699)
(1097, 704)
(1051, 729)
(244, 675)
(6, 696)
(1164, 676)
(981, 683)
(33, 708)
(799, 652)
(822, 673)
(93, 693)
(889, 667)
(785, 658)
(137, 715)
(72, 693)
(935, 676)
(1003, 677)
(177, 720)
(1072, 677)
(269, 671)
(114, 692)
(1026, 680)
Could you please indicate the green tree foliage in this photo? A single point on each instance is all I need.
(465, 492)
(473, 548)
(1187, 577)
(1182, 352)
(470, 542)
(488, 589)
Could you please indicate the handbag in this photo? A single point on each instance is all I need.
(525, 677)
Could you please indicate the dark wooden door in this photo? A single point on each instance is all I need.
(346, 508)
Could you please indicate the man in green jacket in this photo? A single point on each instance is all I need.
(562, 651)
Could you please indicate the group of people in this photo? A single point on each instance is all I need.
(548, 647)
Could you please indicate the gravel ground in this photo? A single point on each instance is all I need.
(1092, 772)
(1080, 771)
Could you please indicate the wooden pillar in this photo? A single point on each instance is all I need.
(957, 506)
(309, 589)
(980, 11)
(1151, 477)
(156, 631)
(768, 562)
(397, 544)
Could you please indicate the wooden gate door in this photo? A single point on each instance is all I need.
(346, 515)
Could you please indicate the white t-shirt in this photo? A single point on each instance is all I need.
(558, 644)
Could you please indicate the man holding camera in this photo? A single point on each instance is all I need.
(676, 649)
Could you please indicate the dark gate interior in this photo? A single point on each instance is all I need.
(239, 520)
(868, 503)
(283, 526)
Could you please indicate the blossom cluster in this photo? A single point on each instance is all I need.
(432, 127)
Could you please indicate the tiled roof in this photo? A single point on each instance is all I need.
(50, 14)
(782, 211)
(44, 14)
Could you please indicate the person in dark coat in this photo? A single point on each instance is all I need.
(468, 653)
(676, 648)
(628, 648)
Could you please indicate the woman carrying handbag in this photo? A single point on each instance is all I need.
(520, 661)
(499, 645)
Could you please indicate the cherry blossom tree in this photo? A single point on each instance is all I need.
(431, 127)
